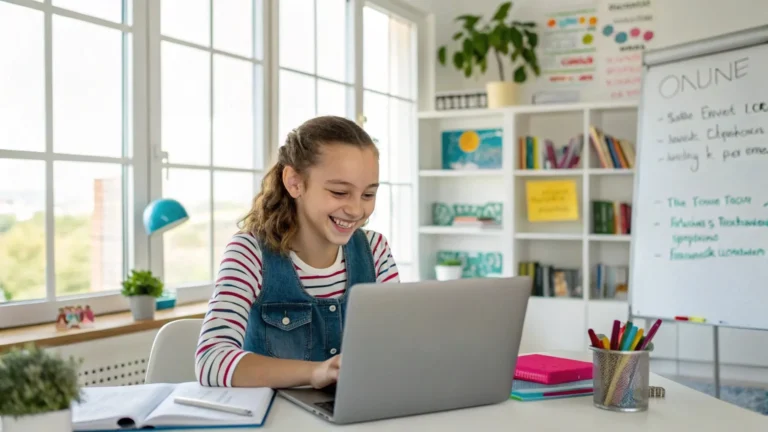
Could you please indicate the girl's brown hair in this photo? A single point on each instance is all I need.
(272, 218)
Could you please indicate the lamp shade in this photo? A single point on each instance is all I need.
(162, 215)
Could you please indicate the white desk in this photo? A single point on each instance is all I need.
(682, 409)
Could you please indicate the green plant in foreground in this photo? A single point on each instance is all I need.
(514, 39)
(142, 282)
(33, 381)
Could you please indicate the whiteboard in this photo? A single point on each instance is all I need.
(700, 222)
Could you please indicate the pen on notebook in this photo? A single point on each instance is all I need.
(198, 403)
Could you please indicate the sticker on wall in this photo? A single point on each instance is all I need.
(567, 45)
(476, 264)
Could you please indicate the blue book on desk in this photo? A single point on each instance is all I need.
(532, 391)
(156, 406)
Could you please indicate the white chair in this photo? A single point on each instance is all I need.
(172, 359)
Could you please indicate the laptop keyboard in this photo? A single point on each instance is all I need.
(328, 406)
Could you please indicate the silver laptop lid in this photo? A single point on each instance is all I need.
(421, 347)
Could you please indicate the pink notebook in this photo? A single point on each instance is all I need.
(551, 370)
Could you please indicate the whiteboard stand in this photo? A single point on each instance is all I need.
(716, 344)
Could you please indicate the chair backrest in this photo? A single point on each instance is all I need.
(172, 359)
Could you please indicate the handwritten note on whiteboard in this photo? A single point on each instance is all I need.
(552, 200)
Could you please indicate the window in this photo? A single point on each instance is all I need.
(389, 105)
(316, 62)
(211, 94)
(66, 150)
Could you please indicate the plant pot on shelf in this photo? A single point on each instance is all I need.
(143, 307)
(502, 93)
(445, 272)
(53, 421)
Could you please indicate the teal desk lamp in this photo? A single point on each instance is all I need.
(163, 214)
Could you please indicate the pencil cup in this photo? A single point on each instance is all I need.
(620, 379)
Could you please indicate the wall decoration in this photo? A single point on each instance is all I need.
(443, 214)
(476, 264)
(472, 149)
(568, 51)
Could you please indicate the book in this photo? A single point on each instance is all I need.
(550, 281)
(611, 151)
(611, 217)
(532, 391)
(547, 369)
(472, 149)
(152, 406)
(542, 154)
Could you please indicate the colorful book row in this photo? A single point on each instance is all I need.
(550, 281)
(537, 153)
(610, 282)
(611, 151)
(611, 217)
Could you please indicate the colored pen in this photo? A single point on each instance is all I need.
(199, 403)
(629, 338)
(697, 319)
(651, 334)
(606, 344)
(615, 335)
(638, 336)
(627, 330)
(593, 337)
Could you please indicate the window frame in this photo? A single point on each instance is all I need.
(147, 158)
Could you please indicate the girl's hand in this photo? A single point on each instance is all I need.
(326, 373)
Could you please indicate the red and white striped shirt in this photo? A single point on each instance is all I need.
(238, 286)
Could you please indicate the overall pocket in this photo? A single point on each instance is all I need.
(288, 330)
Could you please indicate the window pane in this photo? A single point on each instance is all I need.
(22, 81)
(186, 104)
(401, 68)
(297, 101)
(401, 238)
(297, 32)
(233, 26)
(233, 143)
(187, 247)
(332, 53)
(111, 10)
(87, 88)
(376, 110)
(401, 138)
(233, 193)
(22, 229)
(88, 203)
(381, 220)
(375, 50)
(187, 20)
(332, 98)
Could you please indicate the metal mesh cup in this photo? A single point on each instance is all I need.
(620, 379)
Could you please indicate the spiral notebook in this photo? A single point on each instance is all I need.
(550, 370)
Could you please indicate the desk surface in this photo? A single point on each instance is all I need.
(682, 409)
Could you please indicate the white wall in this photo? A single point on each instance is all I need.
(674, 23)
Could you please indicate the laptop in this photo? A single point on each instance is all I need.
(422, 347)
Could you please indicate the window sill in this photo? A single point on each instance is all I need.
(107, 325)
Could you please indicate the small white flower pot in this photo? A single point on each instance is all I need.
(445, 273)
(54, 421)
(142, 307)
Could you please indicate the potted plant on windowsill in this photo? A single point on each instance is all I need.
(37, 390)
(449, 269)
(142, 290)
(510, 42)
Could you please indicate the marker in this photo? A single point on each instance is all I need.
(681, 318)
(636, 340)
(615, 335)
(697, 319)
(595, 341)
(627, 330)
(651, 334)
(606, 343)
(630, 337)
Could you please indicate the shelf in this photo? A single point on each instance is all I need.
(461, 113)
(459, 230)
(610, 301)
(548, 236)
(610, 237)
(611, 171)
(549, 173)
(560, 299)
(462, 173)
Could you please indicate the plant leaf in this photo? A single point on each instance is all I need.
(515, 55)
(458, 60)
(469, 48)
(484, 64)
(441, 55)
(480, 41)
(533, 38)
(469, 21)
(496, 36)
(468, 69)
(529, 55)
(457, 35)
(502, 11)
(516, 37)
(520, 75)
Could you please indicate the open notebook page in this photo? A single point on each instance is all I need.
(106, 408)
(169, 413)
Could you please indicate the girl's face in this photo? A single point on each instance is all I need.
(339, 192)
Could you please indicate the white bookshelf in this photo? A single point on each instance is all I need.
(561, 244)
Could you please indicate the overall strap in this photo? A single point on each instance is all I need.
(359, 260)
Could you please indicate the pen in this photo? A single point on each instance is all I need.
(650, 335)
(595, 340)
(211, 405)
(615, 335)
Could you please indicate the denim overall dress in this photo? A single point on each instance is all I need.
(287, 322)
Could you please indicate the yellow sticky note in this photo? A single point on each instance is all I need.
(552, 200)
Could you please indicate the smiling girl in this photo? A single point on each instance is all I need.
(277, 312)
